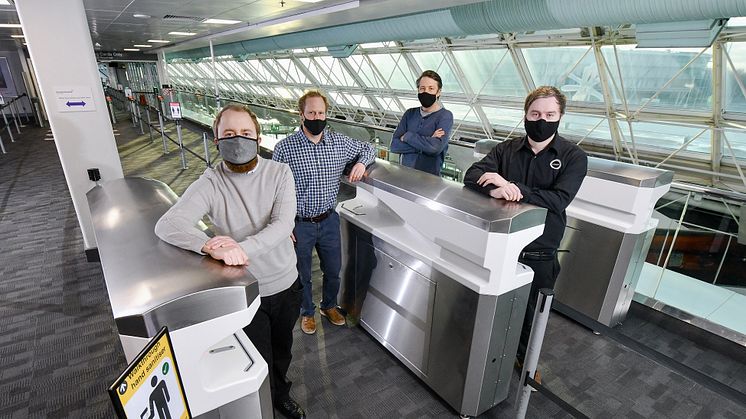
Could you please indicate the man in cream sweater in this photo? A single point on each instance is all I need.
(251, 204)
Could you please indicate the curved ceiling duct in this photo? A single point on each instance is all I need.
(493, 16)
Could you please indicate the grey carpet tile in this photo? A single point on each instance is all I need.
(59, 348)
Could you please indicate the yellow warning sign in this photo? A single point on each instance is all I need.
(150, 387)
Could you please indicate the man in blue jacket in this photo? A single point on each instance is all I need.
(422, 135)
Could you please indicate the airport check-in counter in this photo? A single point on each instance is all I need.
(204, 303)
(608, 235)
(430, 270)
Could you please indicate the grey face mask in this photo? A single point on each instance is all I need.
(238, 149)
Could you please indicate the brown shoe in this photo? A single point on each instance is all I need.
(308, 325)
(334, 316)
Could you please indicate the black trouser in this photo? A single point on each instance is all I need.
(271, 331)
(545, 275)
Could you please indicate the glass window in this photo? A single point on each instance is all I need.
(395, 71)
(737, 140)
(646, 71)
(668, 137)
(360, 101)
(320, 76)
(437, 61)
(590, 127)
(262, 75)
(461, 112)
(572, 69)
(292, 70)
(504, 118)
(337, 74)
(491, 72)
(734, 98)
(362, 67)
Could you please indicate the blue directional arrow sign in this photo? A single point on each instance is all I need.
(82, 104)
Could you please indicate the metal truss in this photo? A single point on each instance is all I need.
(376, 84)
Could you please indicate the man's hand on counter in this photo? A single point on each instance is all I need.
(508, 192)
(357, 172)
(492, 178)
(226, 249)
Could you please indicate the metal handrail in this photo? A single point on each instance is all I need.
(158, 129)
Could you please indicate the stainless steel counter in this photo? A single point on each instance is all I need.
(453, 199)
(628, 174)
(619, 172)
(152, 283)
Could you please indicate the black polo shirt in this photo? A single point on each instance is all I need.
(549, 179)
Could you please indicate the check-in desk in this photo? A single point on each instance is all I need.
(204, 303)
(430, 270)
(608, 235)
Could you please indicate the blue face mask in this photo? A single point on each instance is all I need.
(238, 149)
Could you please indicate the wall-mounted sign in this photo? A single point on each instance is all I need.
(74, 99)
(151, 386)
(175, 110)
(128, 92)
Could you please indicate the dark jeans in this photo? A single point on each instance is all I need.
(271, 331)
(324, 236)
(545, 275)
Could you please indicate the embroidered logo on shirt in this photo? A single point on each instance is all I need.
(555, 164)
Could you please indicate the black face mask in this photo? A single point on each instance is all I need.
(426, 99)
(540, 130)
(314, 126)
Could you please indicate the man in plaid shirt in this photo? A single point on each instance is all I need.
(317, 158)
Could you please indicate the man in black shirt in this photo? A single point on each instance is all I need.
(542, 169)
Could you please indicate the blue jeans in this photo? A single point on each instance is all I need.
(324, 236)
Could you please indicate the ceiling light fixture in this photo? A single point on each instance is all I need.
(17, 36)
(158, 41)
(182, 33)
(221, 21)
(130, 49)
(142, 46)
(10, 25)
(141, 16)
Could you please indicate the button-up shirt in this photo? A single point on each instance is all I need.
(549, 179)
(317, 167)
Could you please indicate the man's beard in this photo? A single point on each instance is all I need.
(242, 168)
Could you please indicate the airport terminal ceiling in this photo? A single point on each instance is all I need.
(676, 106)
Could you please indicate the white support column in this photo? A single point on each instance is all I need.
(60, 45)
(162, 68)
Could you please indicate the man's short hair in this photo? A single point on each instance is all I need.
(238, 108)
(433, 75)
(309, 94)
(546, 91)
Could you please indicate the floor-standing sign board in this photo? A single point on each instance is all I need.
(150, 387)
(175, 110)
